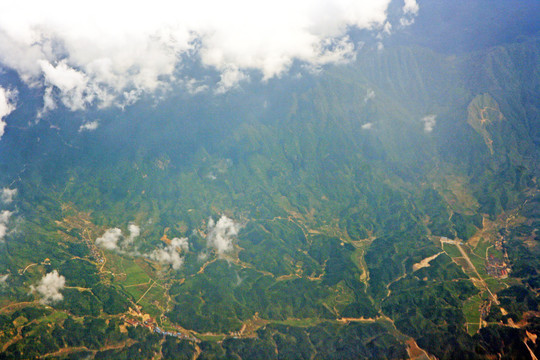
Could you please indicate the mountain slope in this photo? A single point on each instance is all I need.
(378, 209)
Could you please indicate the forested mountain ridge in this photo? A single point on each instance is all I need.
(386, 208)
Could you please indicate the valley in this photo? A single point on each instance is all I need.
(386, 207)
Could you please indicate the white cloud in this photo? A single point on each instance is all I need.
(180, 243)
(109, 240)
(203, 256)
(170, 255)
(72, 84)
(4, 216)
(48, 102)
(4, 219)
(429, 122)
(370, 94)
(134, 232)
(230, 78)
(193, 86)
(406, 21)
(89, 126)
(7, 195)
(3, 280)
(410, 7)
(7, 105)
(49, 287)
(102, 56)
(367, 126)
(221, 234)
(410, 10)
(113, 239)
(387, 29)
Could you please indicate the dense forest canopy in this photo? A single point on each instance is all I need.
(197, 184)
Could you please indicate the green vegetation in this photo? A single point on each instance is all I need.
(471, 310)
(113, 301)
(452, 250)
(338, 253)
(79, 273)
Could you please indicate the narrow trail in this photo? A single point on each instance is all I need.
(146, 292)
(533, 356)
(29, 266)
(8, 308)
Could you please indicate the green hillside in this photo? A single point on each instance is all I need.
(387, 208)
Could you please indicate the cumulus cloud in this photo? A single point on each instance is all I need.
(170, 255)
(89, 126)
(7, 195)
(7, 105)
(221, 234)
(49, 287)
(410, 7)
(114, 240)
(410, 10)
(100, 56)
(134, 232)
(429, 122)
(4, 219)
(230, 78)
(109, 240)
(71, 84)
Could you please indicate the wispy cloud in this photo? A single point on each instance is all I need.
(367, 126)
(370, 94)
(7, 105)
(89, 126)
(4, 220)
(134, 232)
(3, 280)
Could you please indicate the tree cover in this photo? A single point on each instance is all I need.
(335, 216)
